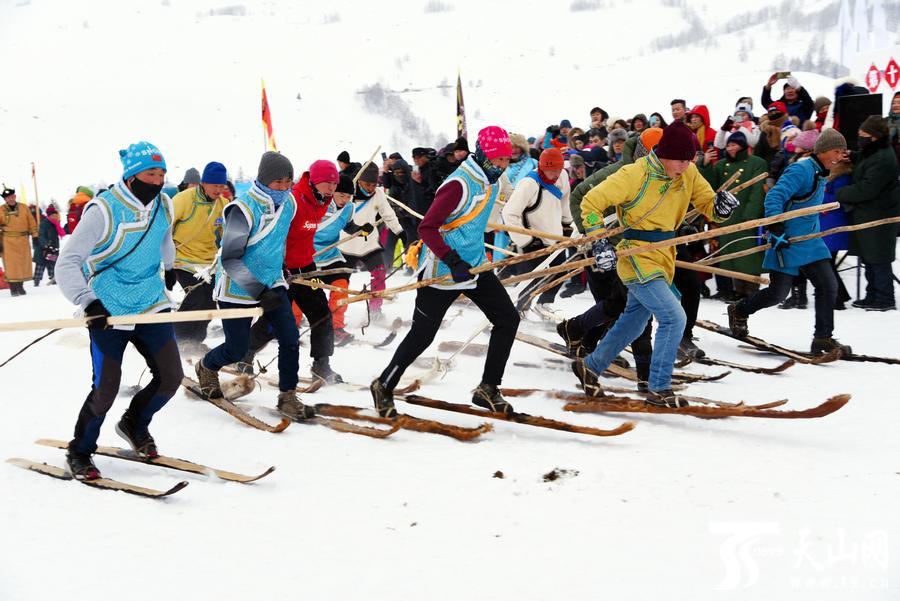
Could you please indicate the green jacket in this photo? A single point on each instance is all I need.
(873, 195)
(751, 207)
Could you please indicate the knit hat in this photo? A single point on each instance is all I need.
(273, 165)
(461, 144)
(829, 139)
(821, 102)
(214, 173)
(738, 138)
(494, 142)
(617, 135)
(806, 140)
(369, 174)
(191, 176)
(7, 192)
(323, 171)
(344, 157)
(565, 123)
(551, 160)
(650, 137)
(519, 141)
(678, 143)
(141, 156)
(743, 107)
(345, 184)
(51, 210)
(400, 165)
(777, 107)
(875, 126)
(85, 190)
(576, 160)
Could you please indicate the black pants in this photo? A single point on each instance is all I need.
(39, 268)
(842, 296)
(314, 305)
(879, 283)
(689, 285)
(823, 280)
(431, 305)
(547, 296)
(610, 296)
(198, 298)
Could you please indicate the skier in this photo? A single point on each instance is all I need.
(249, 272)
(17, 223)
(313, 194)
(338, 218)
(453, 236)
(370, 203)
(801, 185)
(653, 194)
(110, 266)
(197, 232)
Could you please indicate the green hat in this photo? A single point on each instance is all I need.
(85, 190)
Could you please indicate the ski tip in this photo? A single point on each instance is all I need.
(174, 489)
(281, 427)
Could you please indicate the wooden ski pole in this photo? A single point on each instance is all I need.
(835, 230)
(164, 317)
(746, 277)
(37, 201)
(315, 284)
(694, 212)
(349, 238)
(526, 231)
(505, 251)
(749, 183)
(730, 180)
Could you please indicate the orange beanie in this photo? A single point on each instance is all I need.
(551, 160)
(650, 137)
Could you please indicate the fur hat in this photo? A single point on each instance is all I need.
(678, 143)
(830, 139)
(519, 141)
(617, 135)
(576, 160)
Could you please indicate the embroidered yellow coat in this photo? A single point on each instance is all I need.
(635, 190)
(197, 229)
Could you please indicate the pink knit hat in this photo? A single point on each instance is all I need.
(494, 142)
(806, 139)
(323, 171)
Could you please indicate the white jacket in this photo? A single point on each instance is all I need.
(532, 207)
(368, 211)
(749, 128)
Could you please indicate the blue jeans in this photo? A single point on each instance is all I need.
(654, 298)
(281, 323)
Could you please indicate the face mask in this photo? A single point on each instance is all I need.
(863, 142)
(143, 191)
(278, 196)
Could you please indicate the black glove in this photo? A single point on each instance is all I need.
(687, 229)
(366, 229)
(553, 130)
(459, 269)
(776, 236)
(269, 300)
(729, 123)
(96, 310)
(171, 280)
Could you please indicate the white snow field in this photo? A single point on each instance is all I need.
(678, 508)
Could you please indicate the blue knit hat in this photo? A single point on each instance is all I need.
(565, 123)
(140, 157)
(214, 173)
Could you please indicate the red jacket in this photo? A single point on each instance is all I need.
(299, 251)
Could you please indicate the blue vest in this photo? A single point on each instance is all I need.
(127, 279)
(329, 232)
(466, 239)
(801, 185)
(264, 254)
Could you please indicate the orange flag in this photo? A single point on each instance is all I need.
(267, 121)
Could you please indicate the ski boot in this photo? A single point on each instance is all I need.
(80, 465)
(489, 397)
(737, 323)
(209, 381)
(245, 365)
(321, 369)
(139, 438)
(665, 398)
(690, 349)
(589, 381)
(823, 346)
(384, 399)
(566, 331)
(290, 406)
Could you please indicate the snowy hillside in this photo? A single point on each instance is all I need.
(80, 82)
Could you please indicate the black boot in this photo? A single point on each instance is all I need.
(290, 406)
(489, 397)
(383, 398)
(245, 365)
(590, 383)
(321, 369)
(737, 322)
(80, 466)
(571, 335)
(797, 299)
(643, 373)
(208, 380)
(823, 346)
(139, 438)
(690, 349)
(665, 398)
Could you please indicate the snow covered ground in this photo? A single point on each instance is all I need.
(679, 507)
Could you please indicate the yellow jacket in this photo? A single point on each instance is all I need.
(634, 190)
(197, 230)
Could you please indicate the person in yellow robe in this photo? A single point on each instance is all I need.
(17, 224)
(651, 197)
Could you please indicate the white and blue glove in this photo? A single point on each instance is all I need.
(604, 255)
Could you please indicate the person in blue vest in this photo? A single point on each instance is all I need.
(249, 273)
(453, 235)
(801, 185)
(111, 267)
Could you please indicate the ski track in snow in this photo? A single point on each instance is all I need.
(749, 506)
